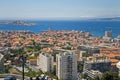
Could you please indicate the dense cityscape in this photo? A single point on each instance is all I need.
(59, 55)
(59, 39)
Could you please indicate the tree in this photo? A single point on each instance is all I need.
(96, 78)
(55, 77)
(39, 72)
(54, 70)
(80, 66)
(7, 67)
(110, 76)
(48, 73)
(86, 55)
(33, 42)
(84, 76)
(1, 72)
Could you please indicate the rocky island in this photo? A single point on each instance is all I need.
(19, 22)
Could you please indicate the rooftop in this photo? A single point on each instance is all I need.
(67, 53)
(98, 60)
(45, 54)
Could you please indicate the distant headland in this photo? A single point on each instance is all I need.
(106, 19)
(18, 22)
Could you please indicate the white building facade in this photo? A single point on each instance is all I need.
(1, 62)
(66, 66)
(118, 66)
(44, 62)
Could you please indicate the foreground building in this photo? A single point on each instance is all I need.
(44, 62)
(95, 66)
(118, 66)
(1, 62)
(67, 66)
(102, 64)
(94, 73)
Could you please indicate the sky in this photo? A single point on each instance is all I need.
(58, 9)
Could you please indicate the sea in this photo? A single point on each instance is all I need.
(96, 28)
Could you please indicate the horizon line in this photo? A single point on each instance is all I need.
(80, 18)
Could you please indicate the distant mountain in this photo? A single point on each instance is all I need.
(111, 19)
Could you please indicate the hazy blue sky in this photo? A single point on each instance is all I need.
(58, 9)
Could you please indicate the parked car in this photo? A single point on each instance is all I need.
(10, 78)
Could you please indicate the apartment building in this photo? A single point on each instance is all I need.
(66, 66)
(44, 62)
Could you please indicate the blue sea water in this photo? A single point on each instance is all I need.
(97, 28)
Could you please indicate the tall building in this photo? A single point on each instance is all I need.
(44, 62)
(1, 62)
(108, 33)
(118, 66)
(66, 66)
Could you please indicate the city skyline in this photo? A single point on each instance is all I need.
(55, 9)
